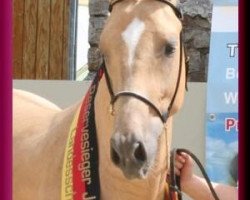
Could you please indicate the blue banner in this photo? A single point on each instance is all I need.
(222, 95)
(223, 73)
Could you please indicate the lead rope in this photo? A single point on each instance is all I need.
(174, 184)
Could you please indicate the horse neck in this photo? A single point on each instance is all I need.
(113, 184)
(59, 127)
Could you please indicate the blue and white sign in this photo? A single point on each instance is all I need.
(222, 95)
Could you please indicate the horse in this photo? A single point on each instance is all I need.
(144, 82)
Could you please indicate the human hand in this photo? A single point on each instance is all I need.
(195, 186)
(183, 167)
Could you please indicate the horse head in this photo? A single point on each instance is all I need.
(142, 47)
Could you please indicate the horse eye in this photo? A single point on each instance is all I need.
(169, 49)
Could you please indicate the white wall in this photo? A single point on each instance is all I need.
(189, 122)
(82, 36)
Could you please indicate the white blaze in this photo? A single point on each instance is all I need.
(131, 37)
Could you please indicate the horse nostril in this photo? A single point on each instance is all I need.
(115, 157)
(140, 153)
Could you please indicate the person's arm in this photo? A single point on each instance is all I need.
(196, 187)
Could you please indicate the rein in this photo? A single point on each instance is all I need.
(174, 182)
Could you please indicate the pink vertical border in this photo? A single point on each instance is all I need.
(5, 101)
(242, 112)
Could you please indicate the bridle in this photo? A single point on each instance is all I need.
(115, 96)
(173, 183)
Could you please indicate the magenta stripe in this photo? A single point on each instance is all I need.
(243, 135)
(5, 101)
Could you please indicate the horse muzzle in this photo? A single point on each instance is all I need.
(130, 155)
